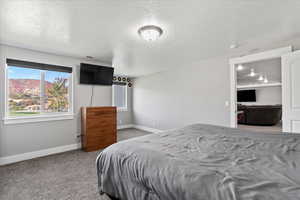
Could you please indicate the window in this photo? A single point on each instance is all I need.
(119, 91)
(37, 90)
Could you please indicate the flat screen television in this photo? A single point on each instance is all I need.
(246, 96)
(96, 74)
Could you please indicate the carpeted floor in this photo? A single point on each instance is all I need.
(70, 175)
(277, 129)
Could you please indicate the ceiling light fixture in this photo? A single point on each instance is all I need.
(266, 80)
(150, 32)
(240, 67)
(252, 73)
(261, 78)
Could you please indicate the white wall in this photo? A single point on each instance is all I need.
(22, 138)
(193, 93)
(267, 96)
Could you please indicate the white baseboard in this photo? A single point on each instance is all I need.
(36, 154)
(45, 152)
(145, 128)
(125, 126)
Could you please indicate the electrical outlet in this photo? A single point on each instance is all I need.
(226, 103)
(78, 138)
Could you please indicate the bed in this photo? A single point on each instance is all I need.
(202, 162)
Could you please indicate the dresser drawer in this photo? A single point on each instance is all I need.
(92, 114)
(97, 143)
(102, 131)
(96, 123)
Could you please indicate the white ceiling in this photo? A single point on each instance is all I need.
(107, 29)
(269, 68)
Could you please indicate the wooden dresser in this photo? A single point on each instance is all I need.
(99, 127)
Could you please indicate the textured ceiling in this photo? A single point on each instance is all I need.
(107, 29)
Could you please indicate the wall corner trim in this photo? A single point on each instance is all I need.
(120, 127)
(145, 128)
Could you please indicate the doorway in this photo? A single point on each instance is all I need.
(259, 96)
(256, 91)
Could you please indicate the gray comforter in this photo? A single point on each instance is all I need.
(202, 162)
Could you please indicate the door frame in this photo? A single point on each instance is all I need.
(289, 108)
(266, 55)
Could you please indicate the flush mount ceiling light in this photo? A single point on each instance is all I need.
(150, 32)
(240, 67)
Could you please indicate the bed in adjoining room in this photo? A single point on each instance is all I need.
(202, 162)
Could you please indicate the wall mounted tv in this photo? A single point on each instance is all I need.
(246, 96)
(96, 74)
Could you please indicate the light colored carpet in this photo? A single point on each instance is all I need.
(65, 176)
(277, 129)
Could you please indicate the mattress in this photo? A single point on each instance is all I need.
(202, 162)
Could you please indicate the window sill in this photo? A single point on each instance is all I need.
(40, 118)
(122, 109)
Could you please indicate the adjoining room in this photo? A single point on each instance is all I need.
(259, 96)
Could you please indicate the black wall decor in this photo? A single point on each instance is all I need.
(122, 80)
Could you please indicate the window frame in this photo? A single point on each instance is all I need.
(42, 116)
(120, 109)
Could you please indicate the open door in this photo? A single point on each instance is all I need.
(291, 92)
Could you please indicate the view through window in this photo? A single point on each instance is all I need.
(34, 91)
(120, 96)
